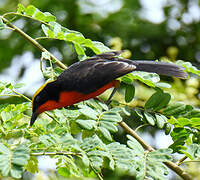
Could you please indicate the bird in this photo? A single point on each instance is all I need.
(87, 79)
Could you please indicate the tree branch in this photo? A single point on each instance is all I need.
(33, 41)
(169, 164)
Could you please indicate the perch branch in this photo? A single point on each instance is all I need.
(33, 41)
(174, 167)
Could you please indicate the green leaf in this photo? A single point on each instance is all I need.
(32, 165)
(135, 145)
(111, 116)
(167, 128)
(60, 35)
(179, 136)
(189, 67)
(138, 113)
(110, 126)
(96, 162)
(13, 162)
(30, 10)
(193, 151)
(56, 28)
(79, 50)
(79, 40)
(97, 104)
(150, 119)
(88, 43)
(160, 120)
(194, 113)
(2, 25)
(91, 143)
(149, 79)
(39, 16)
(122, 157)
(158, 100)
(89, 112)
(46, 55)
(4, 149)
(160, 155)
(49, 17)
(174, 109)
(105, 133)
(50, 33)
(70, 36)
(163, 85)
(45, 29)
(6, 115)
(20, 8)
(63, 171)
(9, 86)
(129, 93)
(85, 160)
(86, 124)
(127, 79)
(100, 47)
(18, 85)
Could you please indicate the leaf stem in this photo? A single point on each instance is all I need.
(180, 161)
(33, 41)
(9, 95)
(169, 164)
(189, 161)
(54, 153)
(21, 95)
(141, 127)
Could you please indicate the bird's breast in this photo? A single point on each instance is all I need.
(68, 98)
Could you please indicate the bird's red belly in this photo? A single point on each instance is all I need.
(68, 98)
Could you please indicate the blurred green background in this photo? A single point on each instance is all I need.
(149, 29)
(156, 29)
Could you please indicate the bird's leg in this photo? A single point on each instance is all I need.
(111, 95)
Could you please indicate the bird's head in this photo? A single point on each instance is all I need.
(44, 99)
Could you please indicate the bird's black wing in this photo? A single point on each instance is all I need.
(90, 75)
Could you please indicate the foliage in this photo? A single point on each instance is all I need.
(81, 137)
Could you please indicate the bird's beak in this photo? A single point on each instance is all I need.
(34, 117)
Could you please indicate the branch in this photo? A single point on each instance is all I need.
(181, 160)
(54, 153)
(169, 164)
(33, 41)
(21, 95)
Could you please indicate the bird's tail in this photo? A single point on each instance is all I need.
(162, 68)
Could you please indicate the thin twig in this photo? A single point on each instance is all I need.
(24, 15)
(180, 161)
(44, 38)
(141, 127)
(169, 164)
(9, 95)
(21, 95)
(54, 153)
(189, 161)
(33, 41)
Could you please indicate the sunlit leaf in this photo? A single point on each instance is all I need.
(86, 124)
(149, 118)
(105, 133)
(20, 8)
(30, 10)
